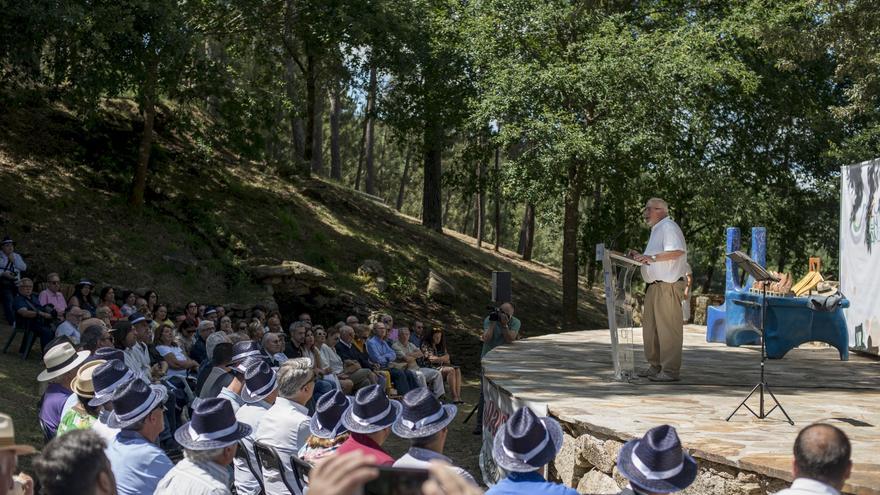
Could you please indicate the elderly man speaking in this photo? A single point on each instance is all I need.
(664, 270)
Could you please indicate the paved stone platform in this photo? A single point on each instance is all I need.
(572, 373)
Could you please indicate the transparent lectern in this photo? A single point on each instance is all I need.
(617, 272)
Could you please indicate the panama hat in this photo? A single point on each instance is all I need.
(61, 359)
(371, 411)
(526, 442)
(327, 420)
(656, 462)
(133, 401)
(107, 378)
(213, 426)
(423, 415)
(259, 382)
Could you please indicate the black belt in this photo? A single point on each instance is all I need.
(682, 279)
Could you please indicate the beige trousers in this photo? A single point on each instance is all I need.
(662, 328)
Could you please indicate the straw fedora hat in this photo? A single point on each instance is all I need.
(59, 360)
(82, 384)
(7, 437)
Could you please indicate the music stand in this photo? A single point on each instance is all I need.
(764, 277)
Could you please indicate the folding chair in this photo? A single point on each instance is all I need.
(28, 337)
(241, 454)
(269, 460)
(301, 470)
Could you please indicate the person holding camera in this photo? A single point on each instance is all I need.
(499, 327)
(11, 266)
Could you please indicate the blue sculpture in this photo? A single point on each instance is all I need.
(790, 320)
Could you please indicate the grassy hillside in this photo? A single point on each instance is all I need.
(210, 216)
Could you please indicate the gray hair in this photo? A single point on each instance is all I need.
(346, 330)
(202, 456)
(267, 336)
(659, 203)
(212, 341)
(293, 375)
(293, 326)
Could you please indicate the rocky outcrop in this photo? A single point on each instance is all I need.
(439, 289)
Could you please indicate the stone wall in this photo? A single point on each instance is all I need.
(587, 462)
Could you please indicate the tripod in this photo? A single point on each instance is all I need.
(760, 275)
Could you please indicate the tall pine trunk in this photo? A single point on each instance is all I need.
(527, 233)
(570, 221)
(297, 130)
(335, 112)
(370, 185)
(318, 134)
(361, 149)
(480, 212)
(497, 200)
(404, 179)
(148, 109)
(431, 191)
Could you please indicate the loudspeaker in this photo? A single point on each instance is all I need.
(501, 287)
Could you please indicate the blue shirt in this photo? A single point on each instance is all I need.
(531, 483)
(137, 464)
(380, 352)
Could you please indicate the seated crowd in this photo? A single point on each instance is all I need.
(138, 402)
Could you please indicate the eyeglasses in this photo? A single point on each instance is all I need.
(191, 306)
(53, 282)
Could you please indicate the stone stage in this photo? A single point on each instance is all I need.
(571, 373)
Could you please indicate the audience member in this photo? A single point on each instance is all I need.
(31, 316)
(11, 267)
(296, 338)
(523, 446)
(369, 420)
(210, 314)
(126, 339)
(325, 379)
(415, 359)
(138, 463)
(199, 350)
(82, 415)
(107, 300)
(94, 337)
(62, 362)
(438, 356)
(75, 463)
(209, 443)
(656, 463)
(382, 354)
(245, 354)
(255, 332)
(351, 320)
(418, 334)
(226, 325)
(9, 452)
(52, 295)
(357, 379)
(209, 364)
(160, 317)
(70, 326)
(272, 348)
(503, 330)
(105, 380)
(186, 334)
(192, 312)
(178, 363)
(391, 333)
(273, 323)
(129, 305)
(425, 422)
(152, 301)
(285, 426)
(259, 393)
(353, 358)
(221, 374)
(822, 462)
(325, 426)
(83, 297)
(221, 312)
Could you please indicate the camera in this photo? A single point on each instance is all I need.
(50, 308)
(494, 313)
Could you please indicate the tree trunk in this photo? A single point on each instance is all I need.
(148, 109)
(297, 131)
(361, 149)
(596, 207)
(527, 233)
(569, 249)
(710, 272)
(370, 185)
(480, 218)
(335, 112)
(317, 161)
(497, 200)
(468, 207)
(446, 203)
(404, 178)
(304, 168)
(431, 192)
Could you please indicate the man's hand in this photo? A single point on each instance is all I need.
(342, 474)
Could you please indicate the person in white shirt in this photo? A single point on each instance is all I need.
(664, 268)
(425, 422)
(70, 326)
(259, 393)
(285, 426)
(407, 351)
(209, 443)
(822, 461)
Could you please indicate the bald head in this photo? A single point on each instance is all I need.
(822, 452)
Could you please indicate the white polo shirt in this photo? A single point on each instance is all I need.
(665, 236)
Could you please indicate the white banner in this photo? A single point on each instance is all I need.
(860, 253)
(498, 406)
